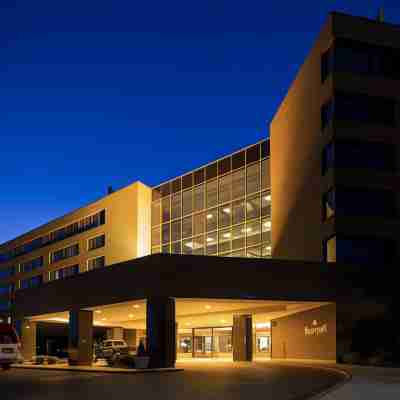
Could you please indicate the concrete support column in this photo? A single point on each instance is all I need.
(116, 333)
(161, 332)
(130, 337)
(27, 332)
(80, 347)
(242, 338)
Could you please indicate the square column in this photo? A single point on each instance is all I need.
(161, 332)
(80, 346)
(27, 331)
(242, 338)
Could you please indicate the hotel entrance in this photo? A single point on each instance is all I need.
(205, 342)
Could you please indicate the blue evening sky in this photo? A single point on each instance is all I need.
(105, 92)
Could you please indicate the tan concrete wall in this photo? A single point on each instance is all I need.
(127, 216)
(28, 339)
(306, 335)
(295, 137)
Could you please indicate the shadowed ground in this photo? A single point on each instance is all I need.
(202, 380)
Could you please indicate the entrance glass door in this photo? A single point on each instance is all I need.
(203, 342)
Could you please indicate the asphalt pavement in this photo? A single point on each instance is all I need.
(198, 381)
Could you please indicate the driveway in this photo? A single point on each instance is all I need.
(199, 380)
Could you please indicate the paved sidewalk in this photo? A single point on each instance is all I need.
(367, 383)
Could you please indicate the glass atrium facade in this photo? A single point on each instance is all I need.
(223, 208)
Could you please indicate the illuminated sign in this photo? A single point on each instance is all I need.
(316, 330)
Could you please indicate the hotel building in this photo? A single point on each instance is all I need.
(251, 255)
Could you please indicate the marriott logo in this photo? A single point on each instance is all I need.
(315, 329)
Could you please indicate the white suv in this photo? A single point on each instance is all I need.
(111, 347)
(9, 346)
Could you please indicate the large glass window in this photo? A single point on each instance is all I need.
(211, 243)
(187, 199)
(238, 212)
(238, 184)
(212, 193)
(265, 203)
(225, 213)
(156, 213)
(64, 272)
(30, 283)
(225, 184)
(95, 263)
(176, 231)
(212, 219)
(198, 224)
(6, 272)
(176, 248)
(266, 231)
(156, 236)
(166, 210)
(187, 227)
(64, 253)
(187, 246)
(176, 206)
(253, 207)
(253, 178)
(224, 240)
(329, 205)
(265, 175)
(166, 237)
(253, 233)
(97, 242)
(199, 198)
(238, 236)
(31, 265)
(198, 245)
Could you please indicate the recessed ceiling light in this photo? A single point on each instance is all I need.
(227, 235)
(268, 197)
(267, 224)
(209, 216)
(130, 315)
(188, 323)
(136, 306)
(223, 321)
(189, 244)
(210, 239)
(227, 210)
(98, 311)
(207, 307)
(104, 319)
(249, 230)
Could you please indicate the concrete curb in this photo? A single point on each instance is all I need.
(106, 370)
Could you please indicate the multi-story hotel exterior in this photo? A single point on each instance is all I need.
(322, 189)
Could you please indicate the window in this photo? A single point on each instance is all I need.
(358, 250)
(253, 178)
(80, 226)
(238, 184)
(187, 227)
(328, 205)
(30, 283)
(165, 234)
(326, 64)
(187, 199)
(265, 203)
(212, 194)
(224, 240)
(187, 246)
(156, 213)
(198, 198)
(6, 289)
(95, 263)
(253, 207)
(328, 158)
(225, 215)
(30, 265)
(254, 252)
(238, 212)
(225, 184)
(360, 202)
(64, 253)
(176, 231)
(253, 231)
(97, 242)
(212, 219)
(211, 243)
(265, 175)
(326, 114)
(176, 248)
(198, 224)
(363, 108)
(64, 272)
(198, 245)
(166, 210)
(156, 236)
(176, 204)
(238, 236)
(7, 272)
(354, 154)
(266, 231)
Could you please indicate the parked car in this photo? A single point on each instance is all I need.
(112, 347)
(9, 346)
